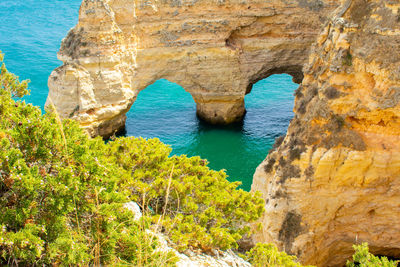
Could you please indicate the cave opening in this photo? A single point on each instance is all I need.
(166, 111)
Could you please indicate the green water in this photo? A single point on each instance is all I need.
(30, 35)
(164, 110)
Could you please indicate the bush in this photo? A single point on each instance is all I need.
(363, 258)
(268, 255)
(62, 194)
(59, 197)
(199, 208)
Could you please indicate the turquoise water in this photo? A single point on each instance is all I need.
(30, 35)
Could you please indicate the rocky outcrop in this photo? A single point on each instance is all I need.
(334, 179)
(215, 49)
(190, 259)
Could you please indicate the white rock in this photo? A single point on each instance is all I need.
(134, 207)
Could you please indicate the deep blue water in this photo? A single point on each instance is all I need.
(30, 35)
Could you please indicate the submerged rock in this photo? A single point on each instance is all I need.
(334, 180)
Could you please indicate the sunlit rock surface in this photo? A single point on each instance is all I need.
(334, 180)
(215, 49)
(190, 259)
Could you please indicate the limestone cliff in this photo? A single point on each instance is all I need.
(334, 180)
(215, 49)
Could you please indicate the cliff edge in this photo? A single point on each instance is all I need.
(334, 179)
(215, 49)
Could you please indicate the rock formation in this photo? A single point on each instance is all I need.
(334, 180)
(215, 49)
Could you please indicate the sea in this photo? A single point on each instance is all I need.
(30, 36)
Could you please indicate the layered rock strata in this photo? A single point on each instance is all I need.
(215, 49)
(334, 179)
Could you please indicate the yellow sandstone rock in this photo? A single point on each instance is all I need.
(334, 180)
(215, 49)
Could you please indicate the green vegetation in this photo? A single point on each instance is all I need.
(363, 258)
(263, 255)
(203, 211)
(268, 255)
(62, 194)
(62, 197)
(348, 59)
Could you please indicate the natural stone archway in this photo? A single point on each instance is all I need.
(334, 179)
(215, 49)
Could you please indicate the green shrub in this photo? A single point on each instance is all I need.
(59, 197)
(363, 258)
(348, 59)
(202, 209)
(263, 255)
(62, 194)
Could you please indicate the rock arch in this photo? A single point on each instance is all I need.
(334, 179)
(215, 49)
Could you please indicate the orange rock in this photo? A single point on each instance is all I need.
(343, 188)
(216, 50)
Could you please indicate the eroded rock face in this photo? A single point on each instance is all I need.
(215, 49)
(334, 180)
